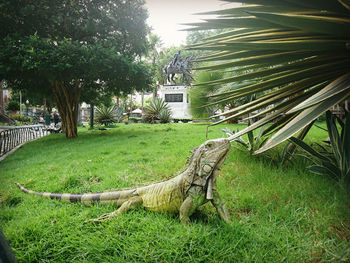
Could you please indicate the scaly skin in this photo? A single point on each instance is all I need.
(183, 194)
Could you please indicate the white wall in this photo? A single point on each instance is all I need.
(180, 110)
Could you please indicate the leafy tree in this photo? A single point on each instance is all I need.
(294, 55)
(75, 47)
(197, 36)
(203, 105)
(153, 52)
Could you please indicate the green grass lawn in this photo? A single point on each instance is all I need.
(280, 214)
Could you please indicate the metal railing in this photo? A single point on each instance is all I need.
(10, 136)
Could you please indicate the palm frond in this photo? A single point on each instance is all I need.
(286, 53)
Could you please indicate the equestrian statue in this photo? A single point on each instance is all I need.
(179, 66)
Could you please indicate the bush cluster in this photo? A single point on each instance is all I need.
(157, 111)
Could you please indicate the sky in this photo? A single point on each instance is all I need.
(165, 17)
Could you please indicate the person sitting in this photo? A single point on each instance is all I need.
(41, 119)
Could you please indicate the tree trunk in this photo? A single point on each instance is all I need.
(48, 107)
(2, 108)
(67, 100)
(44, 104)
(92, 108)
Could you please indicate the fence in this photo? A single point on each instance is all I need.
(10, 137)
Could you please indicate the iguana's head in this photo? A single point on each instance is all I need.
(204, 162)
(208, 157)
(213, 154)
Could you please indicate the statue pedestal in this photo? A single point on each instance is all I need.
(177, 97)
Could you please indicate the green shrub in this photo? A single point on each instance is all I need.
(332, 158)
(182, 120)
(165, 116)
(108, 115)
(21, 118)
(157, 111)
(135, 119)
(13, 106)
(253, 143)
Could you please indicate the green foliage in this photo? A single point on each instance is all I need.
(278, 212)
(181, 120)
(294, 55)
(90, 62)
(21, 118)
(333, 158)
(199, 94)
(127, 104)
(195, 37)
(118, 22)
(13, 106)
(135, 119)
(157, 111)
(165, 116)
(107, 115)
(34, 90)
(153, 55)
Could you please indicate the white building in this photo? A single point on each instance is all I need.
(178, 99)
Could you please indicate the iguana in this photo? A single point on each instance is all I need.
(194, 186)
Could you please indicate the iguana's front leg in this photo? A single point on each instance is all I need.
(194, 200)
(133, 202)
(220, 207)
(187, 208)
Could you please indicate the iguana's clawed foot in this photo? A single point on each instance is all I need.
(102, 218)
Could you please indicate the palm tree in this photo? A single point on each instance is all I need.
(294, 55)
(199, 94)
(155, 45)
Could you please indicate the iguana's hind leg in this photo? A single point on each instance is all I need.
(133, 202)
(220, 207)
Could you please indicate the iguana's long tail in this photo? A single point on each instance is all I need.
(116, 196)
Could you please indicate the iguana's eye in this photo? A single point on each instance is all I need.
(209, 145)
